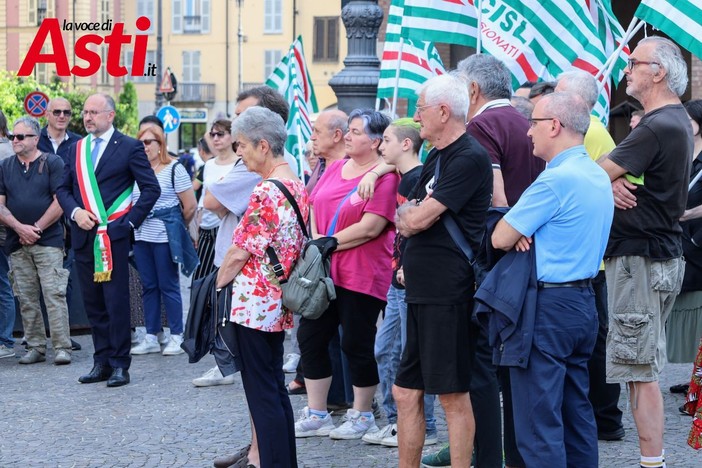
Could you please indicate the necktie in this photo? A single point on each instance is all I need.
(95, 151)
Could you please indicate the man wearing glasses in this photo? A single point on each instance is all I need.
(650, 172)
(96, 195)
(55, 136)
(34, 243)
(569, 201)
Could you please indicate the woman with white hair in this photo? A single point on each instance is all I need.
(257, 320)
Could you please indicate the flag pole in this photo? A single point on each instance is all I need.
(397, 77)
(479, 39)
(633, 28)
(609, 67)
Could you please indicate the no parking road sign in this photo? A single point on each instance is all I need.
(36, 103)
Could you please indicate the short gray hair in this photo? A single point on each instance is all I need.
(447, 89)
(523, 105)
(30, 122)
(259, 123)
(570, 109)
(668, 54)
(491, 75)
(581, 83)
(338, 121)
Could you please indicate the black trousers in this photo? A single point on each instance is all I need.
(485, 399)
(107, 304)
(604, 397)
(357, 314)
(261, 357)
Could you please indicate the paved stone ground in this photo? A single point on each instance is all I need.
(48, 419)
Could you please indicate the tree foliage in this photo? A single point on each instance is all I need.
(14, 89)
(127, 115)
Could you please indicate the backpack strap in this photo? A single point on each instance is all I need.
(277, 267)
(451, 226)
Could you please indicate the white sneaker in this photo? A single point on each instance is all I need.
(377, 437)
(290, 366)
(355, 427)
(6, 352)
(391, 440)
(163, 337)
(213, 377)
(148, 345)
(138, 335)
(310, 425)
(173, 347)
(430, 439)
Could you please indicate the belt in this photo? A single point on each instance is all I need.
(570, 284)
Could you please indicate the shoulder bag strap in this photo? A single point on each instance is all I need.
(332, 226)
(451, 225)
(272, 256)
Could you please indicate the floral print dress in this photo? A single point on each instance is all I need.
(270, 220)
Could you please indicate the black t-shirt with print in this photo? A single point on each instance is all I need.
(659, 149)
(436, 270)
(407, 182)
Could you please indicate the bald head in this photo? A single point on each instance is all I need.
(328, 134)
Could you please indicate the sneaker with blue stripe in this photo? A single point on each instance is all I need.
(355, 426)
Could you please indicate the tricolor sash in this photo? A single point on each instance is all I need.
(92, 200)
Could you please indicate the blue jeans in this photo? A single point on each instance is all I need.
(7, 304)
(389, 343)
(159, 277)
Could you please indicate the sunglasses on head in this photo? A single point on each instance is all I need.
(19, 136)
(58, 112)
(217, 134)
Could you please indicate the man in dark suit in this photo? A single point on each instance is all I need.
(101, 170)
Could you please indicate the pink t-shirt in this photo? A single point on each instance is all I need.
(366, 268)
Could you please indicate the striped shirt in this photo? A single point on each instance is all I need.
(153, 230)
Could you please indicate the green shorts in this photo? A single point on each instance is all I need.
(640, 297)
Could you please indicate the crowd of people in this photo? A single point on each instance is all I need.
(524, 270)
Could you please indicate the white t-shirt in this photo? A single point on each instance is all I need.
(211, 174)
(153, 230)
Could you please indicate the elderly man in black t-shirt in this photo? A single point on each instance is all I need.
(439, 279)
(28, 206)
(644, 264)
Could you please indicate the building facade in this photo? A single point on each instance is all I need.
(214, 48)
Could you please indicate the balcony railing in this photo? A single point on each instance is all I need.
(196, 92)
(191, 24)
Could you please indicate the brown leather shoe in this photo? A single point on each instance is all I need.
(229, 460)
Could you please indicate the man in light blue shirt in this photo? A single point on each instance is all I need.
(567, 213)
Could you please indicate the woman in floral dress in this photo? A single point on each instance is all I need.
(258, 317)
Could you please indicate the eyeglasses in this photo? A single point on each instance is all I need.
(631, 63)
(419, 109)
(20, 136)
(532, 122)
(58, 112)
(217, 134)
(148, 141)
(92, 113)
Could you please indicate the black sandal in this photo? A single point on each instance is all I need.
(239, 459)
(680, 388)
(300, 390)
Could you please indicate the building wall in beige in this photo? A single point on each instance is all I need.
(201, 47)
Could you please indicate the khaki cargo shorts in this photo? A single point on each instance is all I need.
(640, 297)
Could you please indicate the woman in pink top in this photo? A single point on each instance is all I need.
(361, 270)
